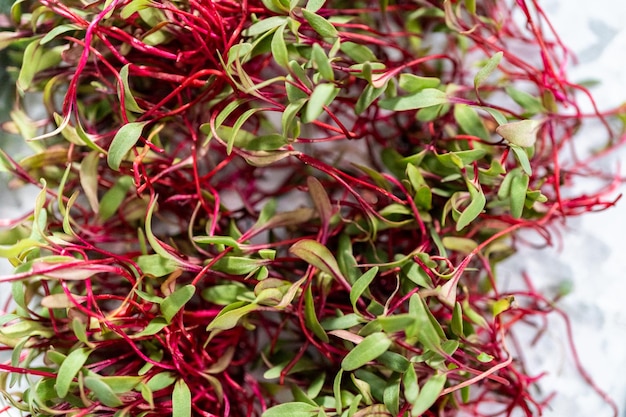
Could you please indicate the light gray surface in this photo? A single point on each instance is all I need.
(593, 254)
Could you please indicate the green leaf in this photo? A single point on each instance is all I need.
(391, 396)
(428, 331)
(367, 97)
(13, 251)
(160, 381)
(470, 121)
(361, 285)
(311, 317)
(279, 47)
(522, 133)
(497, 115)
(181, 400)
(176, 300)
(423, 98)
(124, 140)
(322, 96)
(337, 391)
(394, 361)
(322, 26)
(292, 409)
(156, 265)
(224, 294)
(316, 255)
(237, 265)
(230, 315)
(80, 331)
(411, 387)
(133, 7)
(89, 179)
(367, 350)
(501, 305)
(357, 52)
(457, 320)
(460, 159)
(102, 391)
(473, 210)
(519, 186)
(112, 199)
(266, 25)
(322, 62)
(484, 357)
(129, 100)
(314, 5)
(320, 199)
(428, 394)
(289, 123)
(522, 158)
(36, 58)
(487, 69)
(156, 325)
(69, 369)
(529, 103)
(56, 31)
(414, 83)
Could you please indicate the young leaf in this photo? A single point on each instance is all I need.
(470, 121)
(391, 396)
(124, 140)
(322, 96)
(279, 47)
(317, 255)
(322, 26)
(367, 97)
(160, 381)
(69, 369)
(129, 100)
(311, 317)
(519, 186)
(521, 133)
(320, 200)
(112, 199)
(175, 301)
(263, 26)
(457, 320)
(36, 58)
(522, 158)
(322, 62)
(528, 102)
(292, 409)
(89, 179)
(102, 391)
(369, 349)
(428, 394)
(487, 69)
(423, 98)
(411, 388)
(361, 284)
(474, 209)
(156, 265)
(181, 400)
(230, 315)
(428, 331)
(357, 52)
(314, 5)
(414, 83)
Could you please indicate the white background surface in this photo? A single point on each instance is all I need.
(593, 256)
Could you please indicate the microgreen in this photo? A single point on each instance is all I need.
(280, 208)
